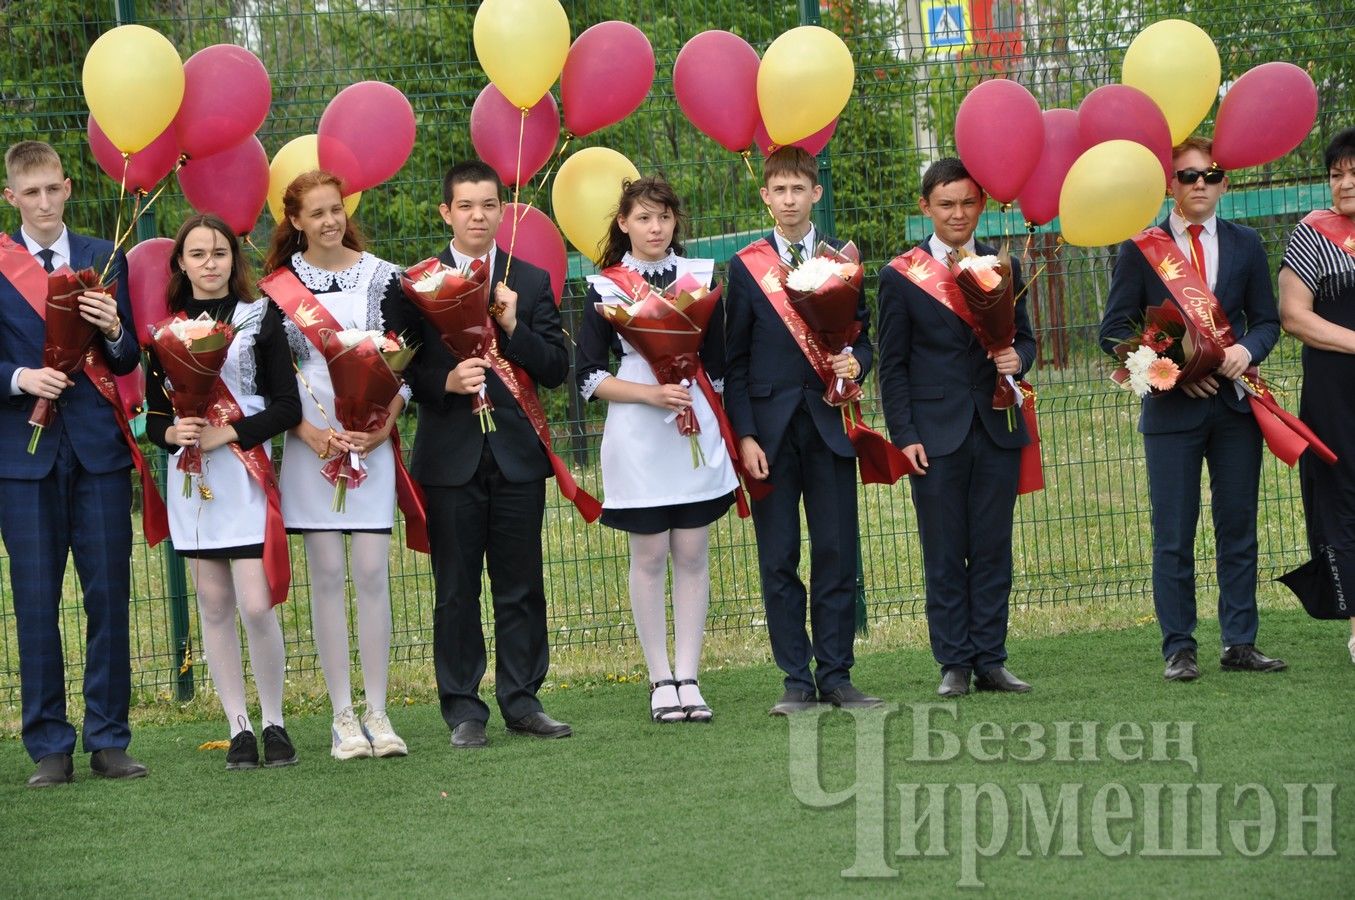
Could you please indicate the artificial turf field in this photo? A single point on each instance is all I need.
(629, 808)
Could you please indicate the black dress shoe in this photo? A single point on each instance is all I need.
(793, 701)
(847, 695)
(538, 724)
(54, 768)
(469, 735)
(1181, 666)
(114, 762)
(1000, 679)
(277, 747)
(1246, 658)
(243, 752)
(954, 683)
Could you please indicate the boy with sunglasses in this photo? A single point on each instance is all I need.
(1220, 268)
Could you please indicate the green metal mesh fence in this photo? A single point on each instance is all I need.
(1085, 538)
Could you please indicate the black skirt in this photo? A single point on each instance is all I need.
(658, 519)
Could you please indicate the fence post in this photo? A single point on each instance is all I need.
(176, 581)
(825, 223)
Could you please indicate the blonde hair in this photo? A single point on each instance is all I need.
(26, 156)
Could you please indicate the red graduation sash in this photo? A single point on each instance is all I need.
(30, 280)
(311, 317)
(225, 410)
(1285, 434)
(523, 389)
(1338, 229)
(879, 461)
(937, 282)
(748, 485)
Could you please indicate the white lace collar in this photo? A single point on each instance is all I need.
(318, 280)
(645, 267)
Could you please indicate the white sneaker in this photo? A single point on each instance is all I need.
(385, 742)
(1350, 645)
(349, 741)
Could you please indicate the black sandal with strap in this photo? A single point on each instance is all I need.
(695, 707)
(657, 713)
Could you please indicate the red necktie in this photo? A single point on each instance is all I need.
(1197, 251)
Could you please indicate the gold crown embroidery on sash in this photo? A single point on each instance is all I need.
(307, 315)
(918, 271)
(771, 282)
(1170, 269)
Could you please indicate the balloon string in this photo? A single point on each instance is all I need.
(140, 210)
(555, 160)
(117, 222)
(1058, 248)
(749, 163)
(517, 188)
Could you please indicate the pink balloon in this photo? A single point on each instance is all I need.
(1265, 114)
(366, 133)
(132, 390)
(147, 165)
(538, 242)
(715, 81)
(1120, 112)
(494, 126)
(607, 75)
(1039, 197)
(225, 99)
(999, 134)
(812, 144)
(148, 283)
(232, 184)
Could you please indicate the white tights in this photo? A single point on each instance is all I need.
(329, 612)
(649, 556)
(223, 586)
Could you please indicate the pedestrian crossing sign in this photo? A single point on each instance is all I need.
(947, 24)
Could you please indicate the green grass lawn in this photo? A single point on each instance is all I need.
(630, 808)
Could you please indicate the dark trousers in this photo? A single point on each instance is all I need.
(964, 505)
(1230, 442)
(488, 518)
(71, 511)
(804, 466)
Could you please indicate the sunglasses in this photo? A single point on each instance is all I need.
(1190, 176)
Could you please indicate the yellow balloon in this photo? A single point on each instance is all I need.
(1177, 64)
(133, 81)
(586, 192)
(1112, 192)
(803, 82)
(296, 156)
(521, 45)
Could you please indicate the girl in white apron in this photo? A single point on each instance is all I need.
(652, 489)
(324, 249)
(221, 526)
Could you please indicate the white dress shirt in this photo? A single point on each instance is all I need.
(1209, 240)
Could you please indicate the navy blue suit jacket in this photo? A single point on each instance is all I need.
(935, 375)
(83, 416)
(764, 386)
(1243, 289)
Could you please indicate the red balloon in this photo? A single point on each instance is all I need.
(148, 283)
(538, 242)
(1120, 112)
(147, 165)
(1265, 114)
(715, 81)
(494, 126)
(607, 75)
(1039, 197)
(812, 144)
(999, 134)
(366, 133)
(226, 96)
(132, 390)
(232, 184)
